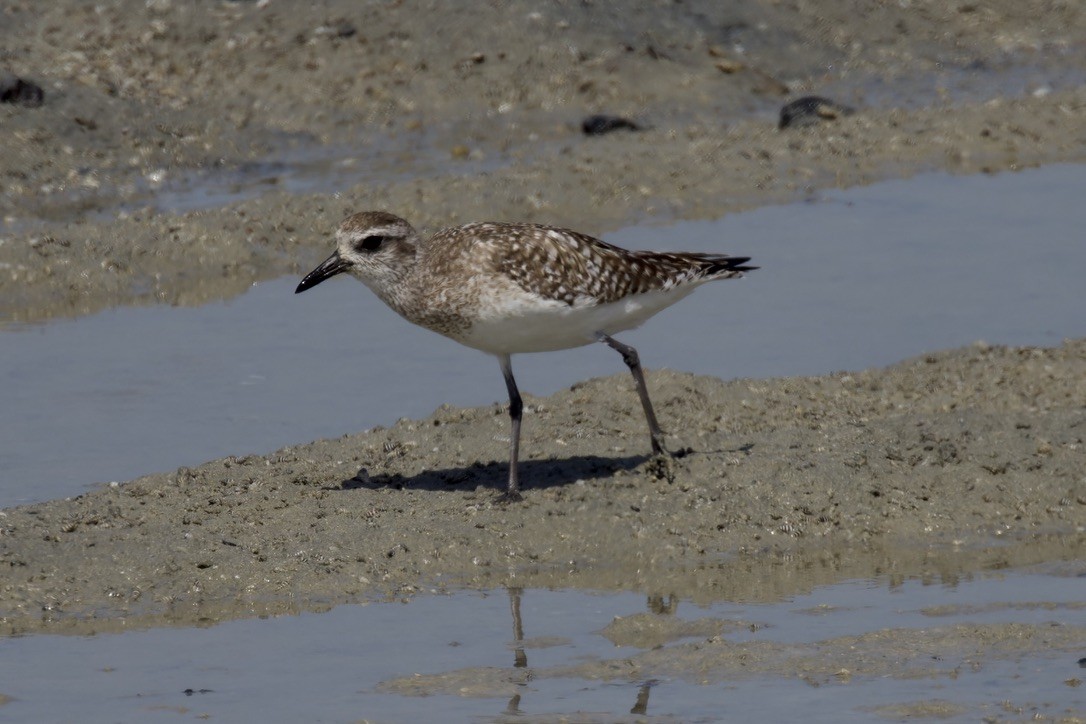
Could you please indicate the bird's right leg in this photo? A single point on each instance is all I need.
(516, 408)
(630, 357)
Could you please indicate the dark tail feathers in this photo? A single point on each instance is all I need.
(727, 264)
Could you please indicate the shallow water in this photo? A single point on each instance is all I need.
(849, 280)
(306, 167)
(1012, 75)
(302, 163)
(464, 657)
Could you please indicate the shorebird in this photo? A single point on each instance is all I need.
(507, 288)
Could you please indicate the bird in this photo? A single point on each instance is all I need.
(508, 288)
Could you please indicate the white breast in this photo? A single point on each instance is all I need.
(511, 324)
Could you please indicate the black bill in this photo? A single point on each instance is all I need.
(328, 268)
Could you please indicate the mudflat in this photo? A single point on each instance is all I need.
(943, 465)
(445, 117)
(898, 470)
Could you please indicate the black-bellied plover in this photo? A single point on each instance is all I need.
(506, 288)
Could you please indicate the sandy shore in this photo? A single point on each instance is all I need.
(912, 469)
(940, 466)
(150, 99)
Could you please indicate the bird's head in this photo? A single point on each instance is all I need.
(375, 247)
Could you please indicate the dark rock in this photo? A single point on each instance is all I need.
(20, 92)
(598, 125)
(809, 110)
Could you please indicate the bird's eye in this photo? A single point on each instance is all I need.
(370, 243)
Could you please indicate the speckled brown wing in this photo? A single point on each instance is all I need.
(577, 269)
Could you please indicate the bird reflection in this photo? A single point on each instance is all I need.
(656, 604)
(520, 658)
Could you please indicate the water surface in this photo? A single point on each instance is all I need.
(849, 280)
(517, 653)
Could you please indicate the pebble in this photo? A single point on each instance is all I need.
(809, 110)
(20, 92)
(601, 124)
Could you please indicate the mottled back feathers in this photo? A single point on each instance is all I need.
(567, 266)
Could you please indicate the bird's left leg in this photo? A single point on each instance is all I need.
(516, 408)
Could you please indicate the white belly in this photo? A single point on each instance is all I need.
(534, 325)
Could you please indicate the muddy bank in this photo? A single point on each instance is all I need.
(152, 108)
(182, 152)
(787, 483)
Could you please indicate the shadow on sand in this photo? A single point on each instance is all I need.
(534, 474)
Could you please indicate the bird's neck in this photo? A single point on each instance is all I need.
(397, 284)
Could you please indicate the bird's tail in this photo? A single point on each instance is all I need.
(726, 265)
(691, 265)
